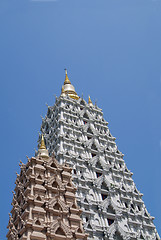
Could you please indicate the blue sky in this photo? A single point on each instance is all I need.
(112, 50)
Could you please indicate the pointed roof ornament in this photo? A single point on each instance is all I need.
(68, 88)
(43, 152)
(90, 101)
(62, 91)
(42, 146)
(67, 81)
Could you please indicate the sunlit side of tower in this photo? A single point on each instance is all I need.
(112, 205)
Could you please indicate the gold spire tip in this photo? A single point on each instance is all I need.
(89, 100)
(67, 81)
(42, 146)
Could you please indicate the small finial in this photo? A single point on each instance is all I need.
(67, 81)
(42, 146)
(43, 152)
(62, 91)
(90, 101)
(28, 158)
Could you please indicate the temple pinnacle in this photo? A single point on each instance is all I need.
(42, 146)
(62, 91)
(90, 101)
(43, 152)
(68, 88)
(67, 81)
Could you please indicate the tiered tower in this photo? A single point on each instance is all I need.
(44, 203)
(78, 134)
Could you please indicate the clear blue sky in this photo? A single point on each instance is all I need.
(112, 50)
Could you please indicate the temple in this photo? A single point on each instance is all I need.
(44, 203)
(111, 203)
(77, 186)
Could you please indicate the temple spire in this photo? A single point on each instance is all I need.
(68, 88)
(90, 101)
(62, 91)
(43, 152)
(67, 81)
(48, 202)
(42, 146)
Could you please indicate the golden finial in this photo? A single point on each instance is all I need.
(68, 88)
(42, 146)
(67, 81)
(62, 90)
(90, 101)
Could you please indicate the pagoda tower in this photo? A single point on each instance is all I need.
(111, 203)
(44, 202)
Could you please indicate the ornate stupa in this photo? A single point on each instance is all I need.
(68, 88)
(44, 202)
(112, 206)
